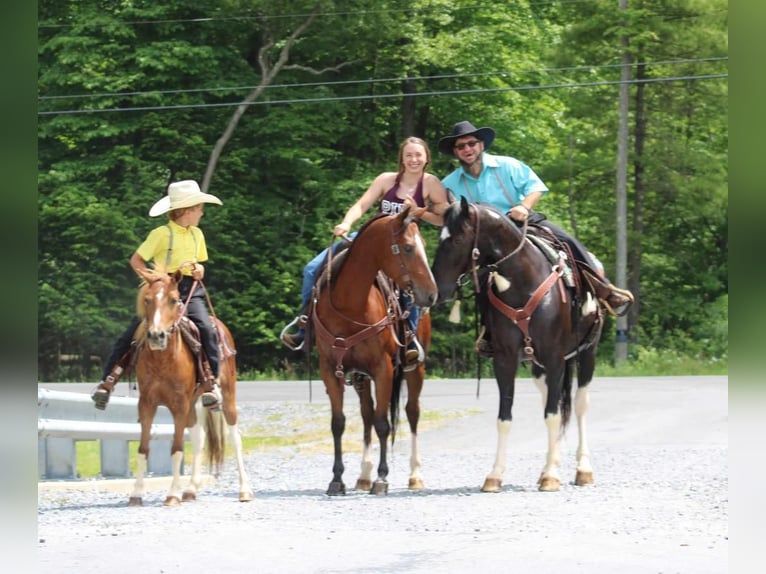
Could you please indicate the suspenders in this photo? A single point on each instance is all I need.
(170, 246)
(499, 182)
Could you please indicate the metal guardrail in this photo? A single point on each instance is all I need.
(64, 418)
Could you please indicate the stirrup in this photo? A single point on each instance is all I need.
(300, 321)
(482, 346)
(212, 399)
(622, 309)
(100, 397)
(413, 357)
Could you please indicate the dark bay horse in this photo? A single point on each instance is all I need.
(356, 336)
(166, 375)
(531, 317)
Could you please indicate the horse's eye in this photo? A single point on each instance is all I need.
(409, 248)
(175, 300)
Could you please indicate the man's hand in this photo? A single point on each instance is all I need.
(519, 213)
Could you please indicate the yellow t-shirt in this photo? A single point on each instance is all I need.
(188, 246)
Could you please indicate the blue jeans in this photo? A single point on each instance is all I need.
(313, 267)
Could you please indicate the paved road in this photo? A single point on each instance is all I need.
(660, 502)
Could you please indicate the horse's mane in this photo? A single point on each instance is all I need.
(158, 271)
(342, 253)
(454, 221)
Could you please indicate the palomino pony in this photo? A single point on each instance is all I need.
(531, 317)
(355, 327)
(166, 374)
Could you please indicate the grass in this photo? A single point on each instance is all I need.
(301, 428)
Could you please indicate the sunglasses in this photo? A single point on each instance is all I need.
(471, 144)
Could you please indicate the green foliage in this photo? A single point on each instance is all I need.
(135, 95)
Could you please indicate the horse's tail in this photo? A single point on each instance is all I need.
(396, 391)
(215, 446)
(565, 405)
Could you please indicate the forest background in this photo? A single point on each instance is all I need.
(287, 110)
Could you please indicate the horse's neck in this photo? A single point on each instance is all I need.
(350, 287)
(526, 268)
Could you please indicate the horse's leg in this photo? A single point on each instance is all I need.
(197, 439)
(585, 369)
(335, 391)
(146, 412)
(363, 387)
(175, 492)
(505, 366)
(414, 387)
(549, 385)
(235, 439)
(230, 415)
(383, 382)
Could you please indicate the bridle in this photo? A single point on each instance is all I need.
(341, 345)
(519, 316)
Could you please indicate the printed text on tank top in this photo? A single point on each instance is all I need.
(391, 204)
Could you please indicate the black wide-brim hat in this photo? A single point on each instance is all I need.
(462, 129)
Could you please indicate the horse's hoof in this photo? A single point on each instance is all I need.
(363, 484)
(135, 501)
(189, 496)
(171, 501)
(380, 487)
(416, 484)
(549, 484)
(492, 485)
(246, 496)
(336, 489)
(583, 478)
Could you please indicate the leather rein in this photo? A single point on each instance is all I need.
(341, 345)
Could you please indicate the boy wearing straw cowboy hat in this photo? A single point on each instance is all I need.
(512, 187)
(178, 245)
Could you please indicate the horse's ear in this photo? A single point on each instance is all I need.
(177, 276)
(463, 205)
(403, 217)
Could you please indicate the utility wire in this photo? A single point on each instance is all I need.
(386, 80)
(387, 96)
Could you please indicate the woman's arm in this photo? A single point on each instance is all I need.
(369, 197)
(435, 197)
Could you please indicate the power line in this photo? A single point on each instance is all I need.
(388, 96)
(406, 8)
(386, 80)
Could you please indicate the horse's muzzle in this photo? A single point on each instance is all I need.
(157, 340)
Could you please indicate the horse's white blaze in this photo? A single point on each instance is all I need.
(420, 247)
(503, 434)
(444, 235)
(581, 403)
(159, 297)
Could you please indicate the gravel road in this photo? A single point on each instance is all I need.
(659, 504)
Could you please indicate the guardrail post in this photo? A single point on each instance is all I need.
(114, 458)
(60, 458)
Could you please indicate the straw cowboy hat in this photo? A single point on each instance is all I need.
(462, 129)
(182, 194)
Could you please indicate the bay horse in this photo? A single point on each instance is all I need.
(355, 327)
(166, 372)
(532, 318)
